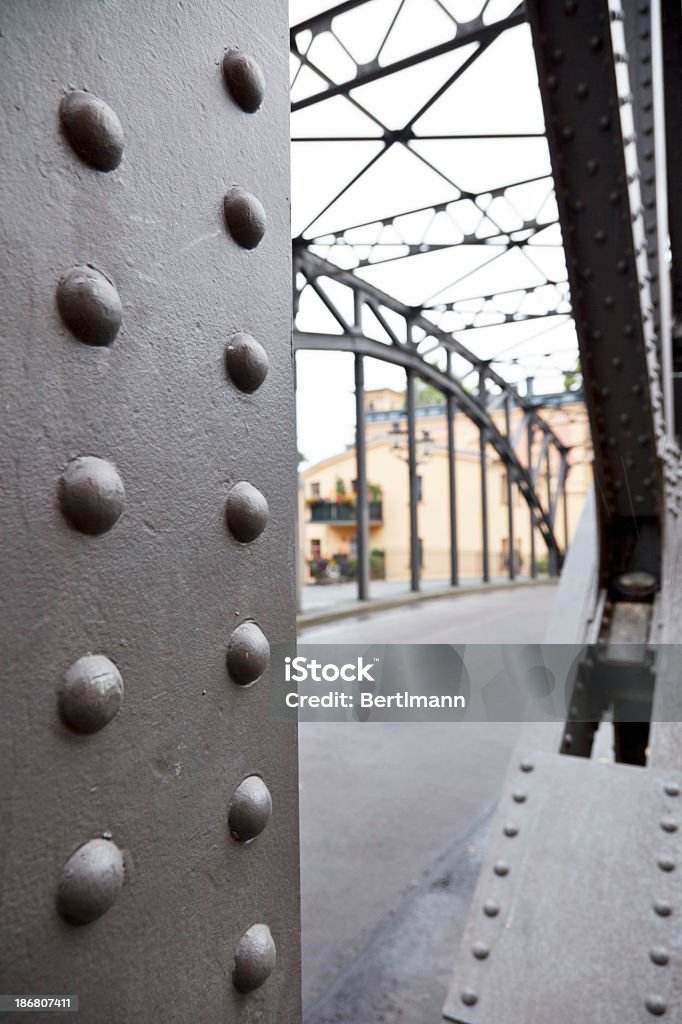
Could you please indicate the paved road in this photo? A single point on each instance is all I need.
(392, 825)
(500, 616)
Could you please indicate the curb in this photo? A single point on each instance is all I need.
(385, 604)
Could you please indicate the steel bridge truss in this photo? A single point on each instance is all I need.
(526, 445)
(507, 225)
(550, 935)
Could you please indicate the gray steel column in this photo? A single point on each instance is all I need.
(484, 486)
(533, 570)
(412, 465)
(551, 555)
(565, 504)
(452, 478)
(510, 507)
(362, 506)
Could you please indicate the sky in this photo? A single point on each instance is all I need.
(497, 94)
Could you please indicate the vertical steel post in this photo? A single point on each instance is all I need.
(553, 567)
(412, 466)
(564, 495)
(362, 502)
(533, 570)
(452, 479)
(510, 506)
(484, 484)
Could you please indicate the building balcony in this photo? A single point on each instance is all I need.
(343, 512)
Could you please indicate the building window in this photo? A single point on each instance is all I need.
(420, 488)
(315, 549)
(354, 486)
(315, 490)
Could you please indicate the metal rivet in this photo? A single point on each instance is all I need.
(92, 129)
(91, 494)
(501, 868)
(669, 825)
(247, 512)
(659, 955)
(600, 237)
(468, 997)
(491, 909)
(656, 1005)
(89, 305)
(91, 880)
(519, 797)
(511, 830)
(244, 79)
(254, 959)
(663, 908)
(666, 863)
(526, 766)
(248, 653)
(246, 362)
(90, 693)
(250, 809)
(480, 950)
(672, 789)
(245, 217)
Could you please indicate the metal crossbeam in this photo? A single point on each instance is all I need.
(472, 32)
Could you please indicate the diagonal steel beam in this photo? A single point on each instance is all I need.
(597, 207)
(474, 32)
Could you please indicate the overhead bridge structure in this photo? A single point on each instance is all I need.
(471, 179)
(576, 912)
(497, 233)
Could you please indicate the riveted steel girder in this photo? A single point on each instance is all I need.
(598, 203)
(147, 455)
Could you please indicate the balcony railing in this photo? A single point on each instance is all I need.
(343, 512)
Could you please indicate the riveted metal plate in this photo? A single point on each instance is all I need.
(585, 86)
(144, 573)
(576, 915)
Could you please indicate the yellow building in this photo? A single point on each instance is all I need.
(328, 527)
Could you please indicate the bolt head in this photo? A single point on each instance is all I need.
(91, 880)
(90, 694)
(250, 809)
(245, 217)
(255, 959)
(244, 79)
(246, 362)
(91, 494)
(247, 512)
(92, 129)
(248, 653)
(89, 305)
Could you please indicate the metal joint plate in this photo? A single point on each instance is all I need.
(577, 911)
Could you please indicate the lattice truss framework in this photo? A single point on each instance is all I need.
(420, 165)
(425, 223)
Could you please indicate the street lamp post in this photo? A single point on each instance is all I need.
(418, 450)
